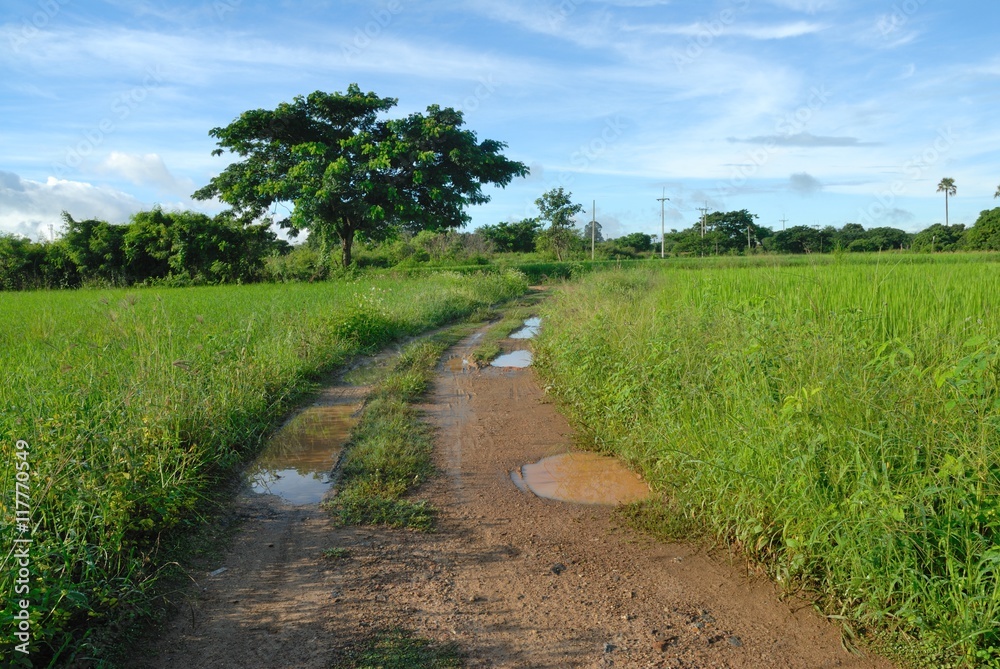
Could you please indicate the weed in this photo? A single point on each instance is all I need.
(398, 649)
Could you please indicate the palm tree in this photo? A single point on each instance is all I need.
(947, 186)
(997, 194)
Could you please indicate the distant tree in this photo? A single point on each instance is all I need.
(557, 209)
(884, 239)
(997, 194)
(598, 237)
(730, 230)
(947, 186)
(347, 172)
(96, 248)
(516, 237)
(985, 234)
(147, 244)
(939, 237)
(796, 239)
(18, 265)
(849, 234)
(638, 241)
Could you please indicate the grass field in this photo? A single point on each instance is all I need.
(132, 406)
(839, 422)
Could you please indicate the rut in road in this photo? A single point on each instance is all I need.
(513, 579)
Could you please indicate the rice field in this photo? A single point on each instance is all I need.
(838, 422)
(122, 410)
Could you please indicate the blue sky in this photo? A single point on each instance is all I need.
(817, 111)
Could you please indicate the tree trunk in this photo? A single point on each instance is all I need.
(346, 241)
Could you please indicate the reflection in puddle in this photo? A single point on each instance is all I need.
(297, 461)
(513, 359)
(585, 478)
(530, 329)
(457, 364)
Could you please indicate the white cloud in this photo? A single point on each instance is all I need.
(145, 170)
(807, 6)
(753, 31)
(29, 207)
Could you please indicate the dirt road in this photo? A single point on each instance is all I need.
(515, 580)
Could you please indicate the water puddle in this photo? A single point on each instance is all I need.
(530, 329)
(513, 359)
(297, 461)
(583, 478)
(457, 364)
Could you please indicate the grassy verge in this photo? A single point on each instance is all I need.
(398, 649)
(837, 423)
(389, 453)
(135, 405)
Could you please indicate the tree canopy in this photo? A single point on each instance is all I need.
(348, 172)
(557, 209)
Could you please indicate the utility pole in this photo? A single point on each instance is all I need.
(783, 221)
(663, 240)
(748, 239)
(704, 218)
(593, 228)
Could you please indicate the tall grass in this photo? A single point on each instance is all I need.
(839, 422)
(135, 404)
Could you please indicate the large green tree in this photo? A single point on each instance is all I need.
(348, 171)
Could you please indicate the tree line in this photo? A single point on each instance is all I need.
(396, 189)
(170, 248)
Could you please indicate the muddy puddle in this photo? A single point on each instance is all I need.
(298, 459)
(457, 364)
(513, 359)
(529, 330)
(583, 478)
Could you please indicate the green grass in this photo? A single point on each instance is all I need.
(138, 404)
(399, 649)
(389, 453)
(837, 421)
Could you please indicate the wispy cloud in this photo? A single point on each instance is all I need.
(735, 29)
(803, 139)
